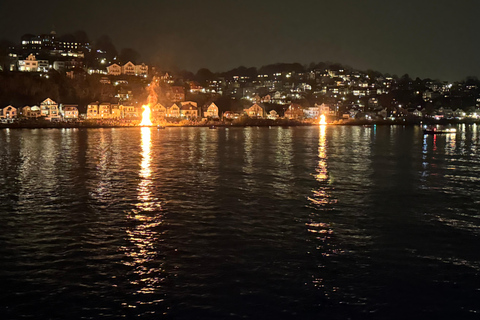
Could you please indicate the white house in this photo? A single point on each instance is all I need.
(28, 65)
(128, 69)
(49, 110)
(141, 69)
(114, 70)
(212, 111)
(173, 111)
(69, 112)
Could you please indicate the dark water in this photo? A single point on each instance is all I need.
(243, 223)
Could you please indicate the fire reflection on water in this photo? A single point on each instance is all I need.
(143, 254)
(145, 196)
(320, 196)
(322, 201)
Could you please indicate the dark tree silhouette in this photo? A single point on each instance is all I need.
(129, 54)
(81, 36)
(104, 43)
(203, 75)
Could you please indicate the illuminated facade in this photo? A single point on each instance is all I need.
(188, 111)
(294, 112)
(141, 69)
(49, 110)
(129, 111)
(69, 112)
(30, 64)
(128, 69)
(8, 112)
(272, 115)
(31, 112)
(92, 110)
(255, 111)
(212, 111)
(105, 111)
(114, 70)
(159, 111)
(173, 111)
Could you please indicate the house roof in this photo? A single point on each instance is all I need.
(188, 107)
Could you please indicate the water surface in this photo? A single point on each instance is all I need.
(239, 223)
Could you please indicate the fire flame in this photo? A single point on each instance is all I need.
(146, 116)
(322, 119)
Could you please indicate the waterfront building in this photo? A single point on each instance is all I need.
(30, 112)
(173, 111)
(312, 112)
(188, 111)
(104, 110)
(116, 113)
(255, 111)
(212, 111)
(459, 113)
(294, 112)
(231, 115)
(92, 110)
(159, 111)
(325, 109)
(129, 111)
(193, 103)
(69, 111)
(272, 115)
(417, 113)
(49, 110)
(8, 113)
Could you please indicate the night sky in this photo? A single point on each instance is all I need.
(435, 39)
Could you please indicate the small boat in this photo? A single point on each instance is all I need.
(213, 127)
(160, 127)
(435, 130)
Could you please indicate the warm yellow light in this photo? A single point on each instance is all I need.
(322, 119)
(146, 116)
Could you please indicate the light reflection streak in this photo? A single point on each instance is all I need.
(451, 141)
(322, 201)
(321, 196)
(142, 251)
(144, 188)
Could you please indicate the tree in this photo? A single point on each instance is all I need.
(81, 36)
(129, 54)
(68, 37)
(203, 75)
(4, 48)
(104, 43)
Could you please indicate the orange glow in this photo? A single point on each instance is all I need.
(146, 116)
(322, 119)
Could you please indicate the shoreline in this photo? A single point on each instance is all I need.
(251, 123)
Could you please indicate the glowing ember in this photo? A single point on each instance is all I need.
(146, 116)
(322, 119)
